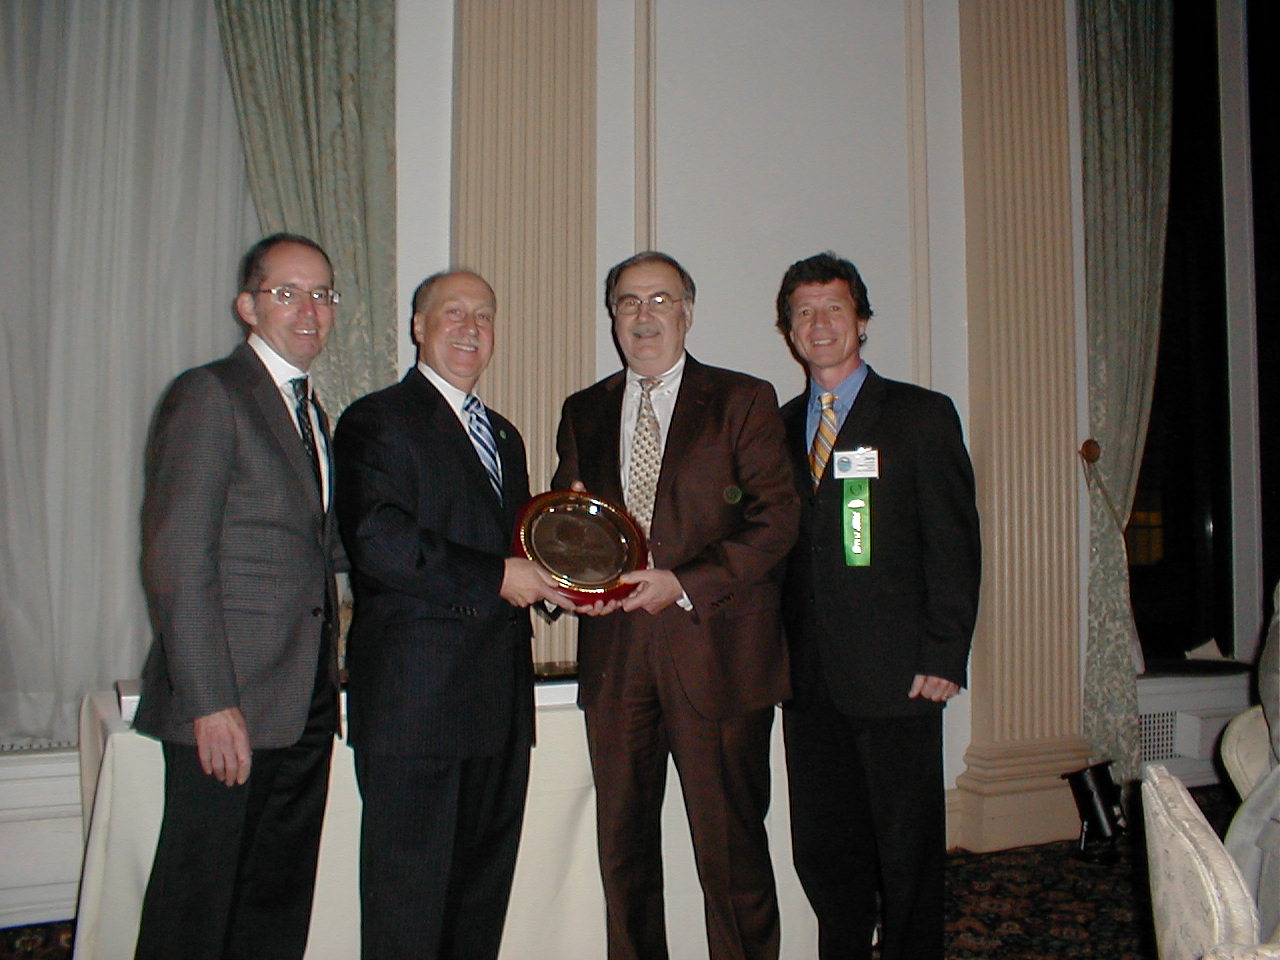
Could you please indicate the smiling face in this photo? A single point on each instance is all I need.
(299, 331)
(652, 340)
(454, 328)
(826, 330)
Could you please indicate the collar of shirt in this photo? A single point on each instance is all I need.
(282, 372)
(670, 380)
(846, 392)
(663, 398)
(452, 395)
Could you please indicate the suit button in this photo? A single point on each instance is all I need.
(317, 611)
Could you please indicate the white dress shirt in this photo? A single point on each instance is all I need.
(663, 398)
(282, 373)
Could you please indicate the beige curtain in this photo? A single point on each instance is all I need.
(1126, 82)
(314, 84)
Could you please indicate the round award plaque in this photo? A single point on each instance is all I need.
(585, 542)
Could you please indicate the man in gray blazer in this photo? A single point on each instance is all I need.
(241, 684)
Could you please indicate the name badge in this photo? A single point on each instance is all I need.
(862, 462)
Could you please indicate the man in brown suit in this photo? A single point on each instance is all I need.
(692, 662)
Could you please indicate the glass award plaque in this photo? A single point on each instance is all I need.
(585, 542)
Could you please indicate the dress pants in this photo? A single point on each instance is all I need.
(633, 725)
(235, 867)
(868, 816)
(438, 844)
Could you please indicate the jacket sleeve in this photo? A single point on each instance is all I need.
(190, 458)
(952, 554)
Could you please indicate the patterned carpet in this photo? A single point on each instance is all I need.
(1033, 903)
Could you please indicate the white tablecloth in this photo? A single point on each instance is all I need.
(557, 907)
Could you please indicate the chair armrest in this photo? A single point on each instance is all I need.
(1239, 951)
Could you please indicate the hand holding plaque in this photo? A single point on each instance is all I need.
(584, 542)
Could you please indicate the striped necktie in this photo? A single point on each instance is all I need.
(302, 410)
(824, 438)
(482, 439)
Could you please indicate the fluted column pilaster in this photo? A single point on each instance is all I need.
(1026, 720)
(524, 188)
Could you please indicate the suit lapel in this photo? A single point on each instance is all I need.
(513, 492)
(279, 424)
(608, 427)
(864, 412)
(455, 440)
(686, 417)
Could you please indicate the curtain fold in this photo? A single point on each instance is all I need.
(1126, 85)
(125, 208)
(314, 84)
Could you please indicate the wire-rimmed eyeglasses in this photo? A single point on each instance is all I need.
(288, 296)
(662, 303)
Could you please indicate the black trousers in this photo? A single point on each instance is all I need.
(235, 867)
(438, 844)
(868, 817)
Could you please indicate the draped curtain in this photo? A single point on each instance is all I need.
(1126, 83)
(125, 207)
(314, 84)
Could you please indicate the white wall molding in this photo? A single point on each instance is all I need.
(41, 836)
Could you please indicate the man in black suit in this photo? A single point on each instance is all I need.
(441, 676)
(241, 684)
(879, 607)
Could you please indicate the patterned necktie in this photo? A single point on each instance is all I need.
(824, 438)
(646, 458)
(482, 439)
(302, 410)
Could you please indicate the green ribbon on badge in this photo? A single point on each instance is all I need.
(856, 522)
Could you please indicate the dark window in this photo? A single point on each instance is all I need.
(1178, 534)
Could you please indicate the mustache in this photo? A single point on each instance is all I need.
(646, 329)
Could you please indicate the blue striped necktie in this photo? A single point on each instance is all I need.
(482, 439)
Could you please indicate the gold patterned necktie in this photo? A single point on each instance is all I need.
(646, 458)
(824, 438)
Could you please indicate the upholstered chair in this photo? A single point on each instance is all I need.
(1201, 904)
(1246, 749)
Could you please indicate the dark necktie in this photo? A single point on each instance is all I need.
(303, 412)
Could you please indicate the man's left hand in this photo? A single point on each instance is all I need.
(655, 590)
(936, 689)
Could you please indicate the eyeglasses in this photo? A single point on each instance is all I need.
(292, 296)
(660, 303)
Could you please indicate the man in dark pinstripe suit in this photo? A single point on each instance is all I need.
(238, 557)
(441, 674)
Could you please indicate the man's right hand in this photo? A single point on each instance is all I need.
(524, 582)
(222, 742)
